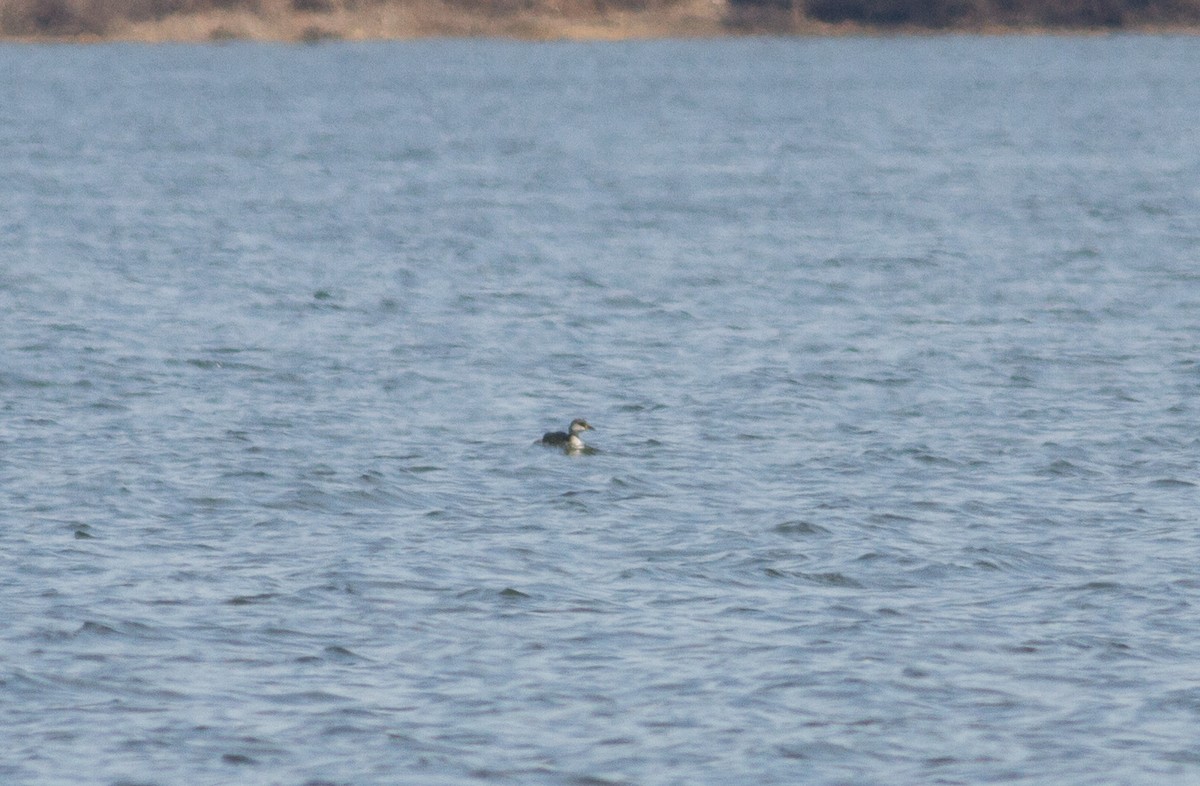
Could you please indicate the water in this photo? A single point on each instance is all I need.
(892, 347)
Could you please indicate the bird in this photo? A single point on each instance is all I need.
(568, 439)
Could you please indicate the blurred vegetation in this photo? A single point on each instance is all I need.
(67, 18)
(82, 17)
(70, 18)
(1005, 13)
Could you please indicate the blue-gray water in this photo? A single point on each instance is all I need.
(892, 347)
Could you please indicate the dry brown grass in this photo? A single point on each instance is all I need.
(315, 20)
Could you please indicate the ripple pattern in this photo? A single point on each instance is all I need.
(891, 346)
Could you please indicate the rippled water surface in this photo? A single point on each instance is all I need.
(892, 347)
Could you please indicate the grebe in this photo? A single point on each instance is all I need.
(568, 439)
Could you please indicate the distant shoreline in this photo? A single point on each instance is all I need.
(312, 21)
